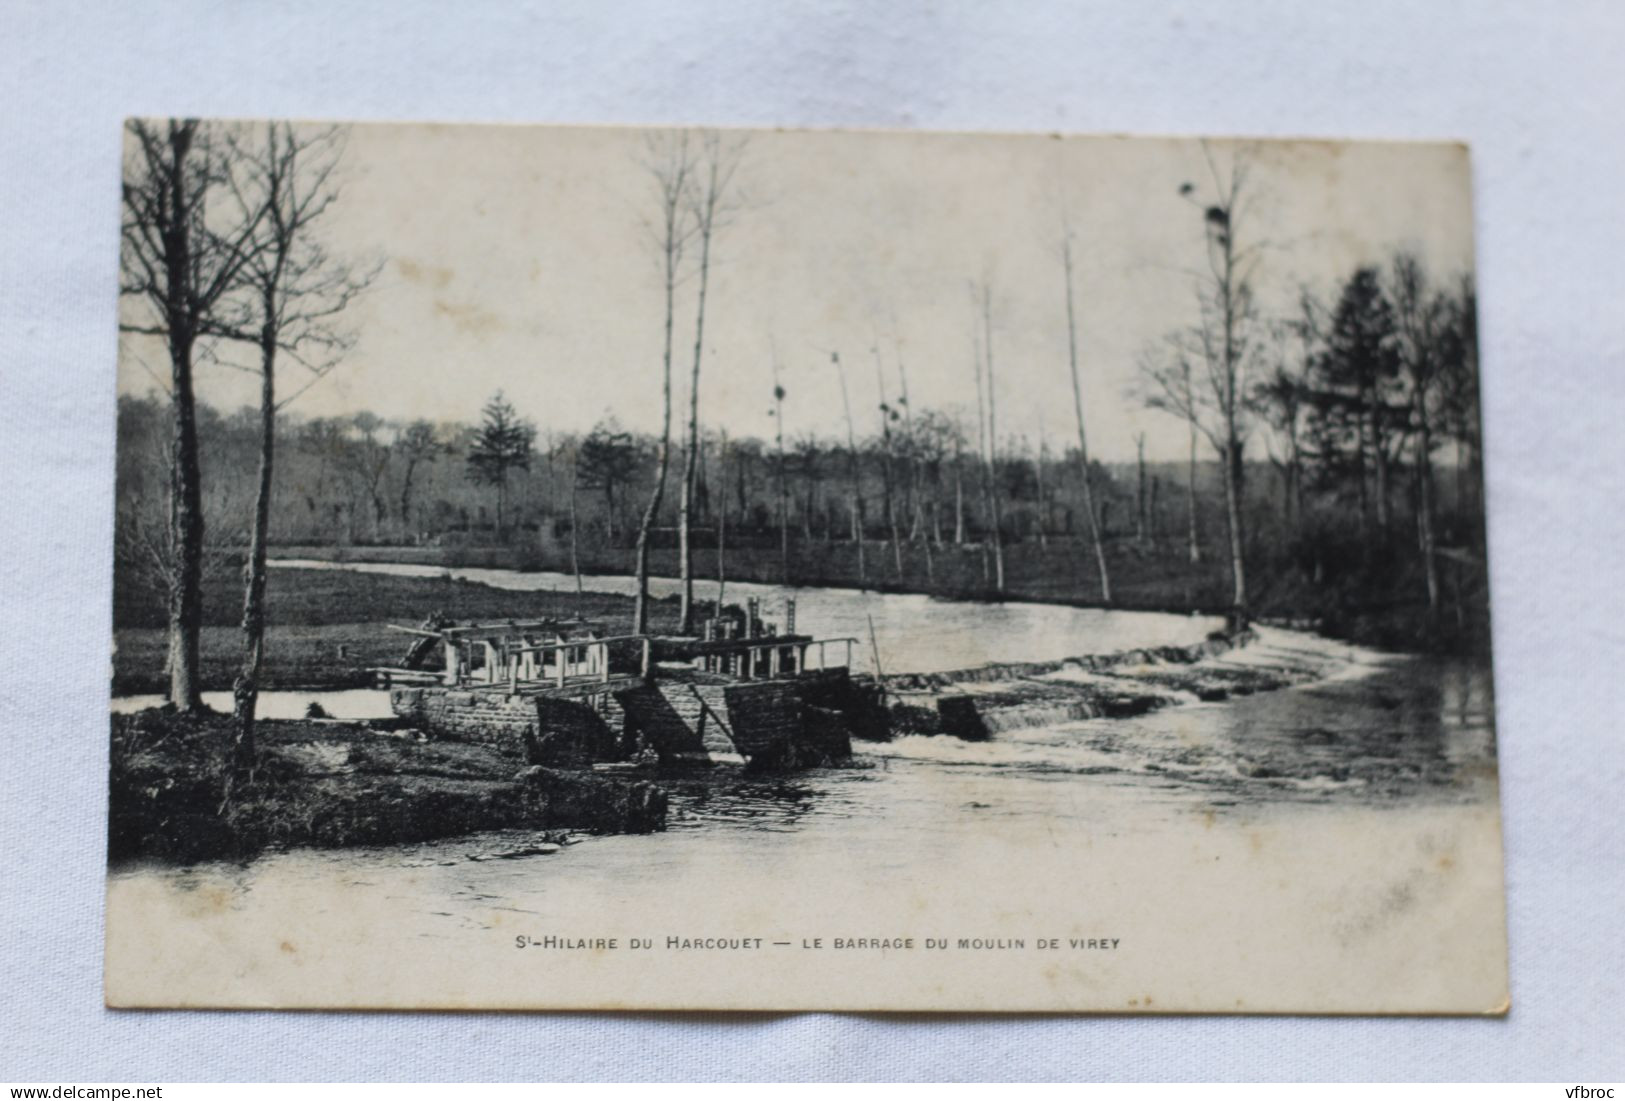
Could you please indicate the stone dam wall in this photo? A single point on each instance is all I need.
(975, 704)
(537, 729)
(773, 723)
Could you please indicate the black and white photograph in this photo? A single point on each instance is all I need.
(608, 567)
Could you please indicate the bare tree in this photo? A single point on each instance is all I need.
(777, 413)
(575, 524)
(293, 293)
(364, 456)
(913, 454)
(983, 474)
(179, 260)
(1225, 298)
(1085, 476)
(671, 164)
(1171, 388)
(856, 470)
(710, 202)
(984, 293)
(887, 415)
(722, 520)
(419, 443)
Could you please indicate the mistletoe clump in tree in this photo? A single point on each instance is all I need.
(503, 444)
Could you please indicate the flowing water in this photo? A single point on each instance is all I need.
(1372, 742)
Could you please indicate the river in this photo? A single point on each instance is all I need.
(1341, 816)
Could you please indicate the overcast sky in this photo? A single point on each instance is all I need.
(518, 258)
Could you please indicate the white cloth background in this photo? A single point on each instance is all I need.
(1536, 88)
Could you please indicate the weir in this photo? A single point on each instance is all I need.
(566, 693)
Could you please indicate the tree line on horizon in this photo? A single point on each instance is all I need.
(1335, 421)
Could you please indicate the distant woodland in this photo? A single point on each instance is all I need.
(1332, 490)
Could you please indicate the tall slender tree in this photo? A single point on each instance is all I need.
(722, 520)
(294, 291)
(1419, 320)
(856, 507)
(710, 201)
(1084, 475)
(671, 166)
(888, 497)
(1225, 339)
(984, 473)
(1193, 534)
(984, 292)
(778, 464)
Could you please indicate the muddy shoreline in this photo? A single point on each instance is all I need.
(338, 785)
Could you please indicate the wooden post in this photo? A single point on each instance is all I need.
(512, 662)
(451, 664)
(563, 653)
(773, 657)
(751, 668)
(603, 663)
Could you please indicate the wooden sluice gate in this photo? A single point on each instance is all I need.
(564, 693)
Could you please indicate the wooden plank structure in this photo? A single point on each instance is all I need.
(755, 650)
(540, 654)
(518, 656)
(698, 693)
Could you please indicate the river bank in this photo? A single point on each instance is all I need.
(321, 784)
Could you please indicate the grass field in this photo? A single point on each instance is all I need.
(328, 626)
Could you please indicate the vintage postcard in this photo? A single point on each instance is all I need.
(598, 568)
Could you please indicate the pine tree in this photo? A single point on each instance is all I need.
(504, 444)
